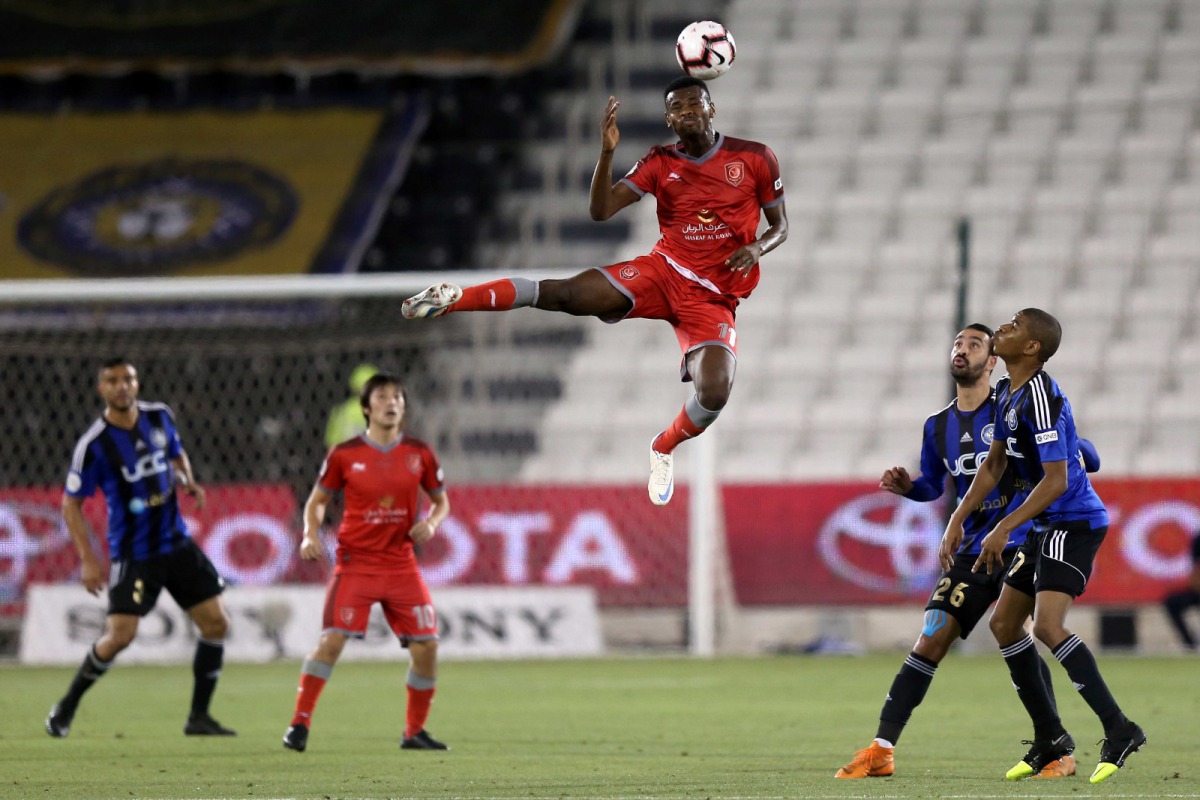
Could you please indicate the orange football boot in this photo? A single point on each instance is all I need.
(1060, 768)
(870, 762)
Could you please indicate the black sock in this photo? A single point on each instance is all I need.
(907, 692)
(1077, 659)
(1045, 670)
(206, 667)
(1177, 605)
(1023, 660)
(91, 670)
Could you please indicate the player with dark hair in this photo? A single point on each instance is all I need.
(1177, 603)
(711, 191)
(133, 454)
(1035, 437)
(381, 473)
(956, 441)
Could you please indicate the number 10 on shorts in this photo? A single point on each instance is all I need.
(426, 616)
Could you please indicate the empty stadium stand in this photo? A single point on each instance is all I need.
(1066, 131)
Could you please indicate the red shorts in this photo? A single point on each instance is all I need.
(404, 598)
(700, 316)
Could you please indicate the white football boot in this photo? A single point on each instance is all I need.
(433, 302)
(662, 476)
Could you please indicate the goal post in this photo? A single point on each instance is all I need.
(253, 366)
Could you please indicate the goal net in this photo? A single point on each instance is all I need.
(259, 374)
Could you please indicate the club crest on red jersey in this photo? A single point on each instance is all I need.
(347, 615)
(735, 172)
(413, 462)
(629, 272)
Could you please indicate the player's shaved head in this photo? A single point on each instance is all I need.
(1044, 329)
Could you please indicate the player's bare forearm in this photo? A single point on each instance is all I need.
(72, 509)
(777, 230)
(604, 198)
(425, 529)
(1048, 489)
(90, 575)
(746, 256)
(186, 479)
(314, 516)
(439, 508)
(601, 189)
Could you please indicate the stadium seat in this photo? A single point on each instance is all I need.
(1064, 131)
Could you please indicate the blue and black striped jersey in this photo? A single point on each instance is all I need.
(133, 470)
(1038, 426)
(955, 444)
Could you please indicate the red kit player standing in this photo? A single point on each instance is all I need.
(381, 473)
(710, 189)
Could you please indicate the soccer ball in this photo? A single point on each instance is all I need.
(705, 50)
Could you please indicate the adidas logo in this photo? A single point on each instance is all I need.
(140, 445)
(1078, 687)
(966, 437)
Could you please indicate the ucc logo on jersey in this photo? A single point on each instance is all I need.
(629, 272)
(966, 464)
(147, 465)
(735, 172)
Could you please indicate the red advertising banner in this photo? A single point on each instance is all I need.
(853, 544)
(789, 544)
(608, 537)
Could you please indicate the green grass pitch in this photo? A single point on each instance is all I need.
(609, 728)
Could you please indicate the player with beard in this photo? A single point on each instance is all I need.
(133, 454)
(711, 190)
(956, 441)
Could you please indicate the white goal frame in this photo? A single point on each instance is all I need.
(705, 537)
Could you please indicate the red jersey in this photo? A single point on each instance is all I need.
(709, 206)
(380, 487)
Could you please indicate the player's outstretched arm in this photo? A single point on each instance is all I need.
(91, 576)
(314, 515)
(607, 198)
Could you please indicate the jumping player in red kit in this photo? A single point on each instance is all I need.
(710, 189)
(381, 473)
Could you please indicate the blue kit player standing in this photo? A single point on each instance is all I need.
(1035, 437)
(132, 453)
(956, 441)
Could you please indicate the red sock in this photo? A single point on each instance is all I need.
(682, 428)
(491, 296)
(306, 698)
(419, 701)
